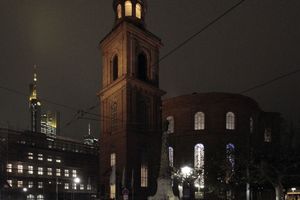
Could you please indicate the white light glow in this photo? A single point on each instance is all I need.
(186, 171)
(76, 180)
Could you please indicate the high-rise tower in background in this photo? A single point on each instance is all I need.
(48, 122)
(34, 105)
(130, 138)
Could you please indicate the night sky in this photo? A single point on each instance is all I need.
(256, 42)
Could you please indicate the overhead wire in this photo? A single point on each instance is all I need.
(80, 113)
(184, 42)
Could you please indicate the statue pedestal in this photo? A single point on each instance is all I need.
(164, 190)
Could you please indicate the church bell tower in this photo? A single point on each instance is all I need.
(130, 101)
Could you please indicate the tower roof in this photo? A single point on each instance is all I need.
(130, 10)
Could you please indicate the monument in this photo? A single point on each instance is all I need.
(164, 181)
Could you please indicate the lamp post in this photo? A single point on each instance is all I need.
(76, 180)
(56, 188)
(25, 191)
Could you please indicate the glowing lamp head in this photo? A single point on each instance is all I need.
(25, 189)
(76, 180)
(186, 171)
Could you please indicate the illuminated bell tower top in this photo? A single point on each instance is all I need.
(130, 10)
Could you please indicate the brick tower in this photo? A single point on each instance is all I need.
(130, 99)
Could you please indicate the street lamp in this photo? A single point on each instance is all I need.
(186, 171)
(25, 189)
(76, 180)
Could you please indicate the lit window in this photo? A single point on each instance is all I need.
(66, 173)
(89, 187)
(74, 186)
(112, 159)
(49, 159)
(58, 160)
(49, 171)
(30, 197)
(171, 157)
(112, 193)
(30, 156)
(199, 164)
(40, 171)
(81, 187)
(251, 125)
(9, 182)
(268, 135)
(119, 11)
(9, 168)
(20, 169)
(58, 172)
(230, 149)
(40, 185)
(199, 121)
(20, 184)
(30, 169)
(144, 176)
(30, 184)
(40, 157)
(67, 186)
(74, 172)
(128, 8)
(230, 121)
(170, 120)
(40, 197)
(138, 10)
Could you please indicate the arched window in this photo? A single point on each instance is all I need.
(230, 156)
(230, 121)
(199, 121)
(128, 8)
(142, 67)
(119, 11)
(199, 164)
(251, 121)
(171, 122)
(115, 68)
(171, 157)
(138, 10)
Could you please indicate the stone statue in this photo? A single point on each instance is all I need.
(164, 182)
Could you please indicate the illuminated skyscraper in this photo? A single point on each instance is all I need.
(50, 123)
(34, 105)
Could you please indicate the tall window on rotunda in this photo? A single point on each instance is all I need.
(199, 164)
(115, 68)
(230, 156)
(230, 121)
(171, 122)
(144, 175)
(119, 11)
(171, 157)
(138, 11)
(142, 67)
(199, 121)
(128, 8)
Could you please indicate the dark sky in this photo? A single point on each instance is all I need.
(256, 42)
